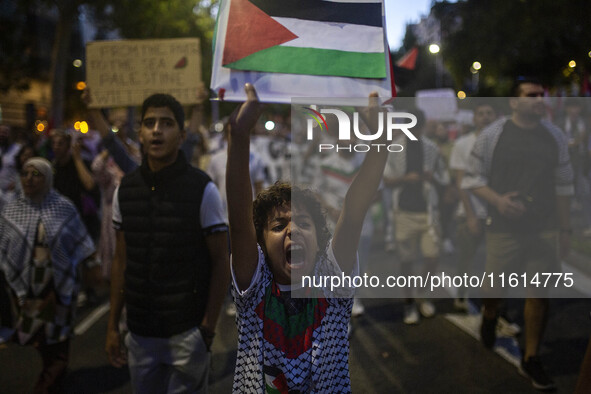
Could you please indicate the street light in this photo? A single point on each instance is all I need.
(572, 64)
(476, 66)
(434, 48)
(219, 127)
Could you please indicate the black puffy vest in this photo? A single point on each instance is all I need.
(168, 263)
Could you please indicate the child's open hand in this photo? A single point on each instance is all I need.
(244, 118)
(369, 114)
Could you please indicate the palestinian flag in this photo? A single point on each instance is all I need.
(301, 48)
(313, 37)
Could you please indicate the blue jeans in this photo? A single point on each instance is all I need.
(179, 364)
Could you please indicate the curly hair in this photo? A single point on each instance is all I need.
(281, 194)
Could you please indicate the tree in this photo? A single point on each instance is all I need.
(518, 37)
(26, 36)
(68, 11)
(142, 19)
(17, 49)
(424, 76)
(20, 36)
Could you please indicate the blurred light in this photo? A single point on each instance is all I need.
(476, 66)
(434, 48)
(114, 129)
(461, 95)
(77, 126)
(473, 71)
(589, 53)
(81, 85)
(270, 125)
(77, 63)
(219, 127)
(83, 127)
(40, 126)
(572, 64)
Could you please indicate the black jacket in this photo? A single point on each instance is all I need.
(168, 264)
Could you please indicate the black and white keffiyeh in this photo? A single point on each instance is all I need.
(481, 158)
(68, 241)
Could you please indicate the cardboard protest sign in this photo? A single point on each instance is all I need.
(438, 104)
(125, 72)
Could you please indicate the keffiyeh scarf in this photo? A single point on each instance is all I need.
(68, 241)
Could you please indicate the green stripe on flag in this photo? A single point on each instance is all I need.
(312, 61)
(272, 390)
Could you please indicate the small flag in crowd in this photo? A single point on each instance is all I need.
(409, 60)
(301, 48)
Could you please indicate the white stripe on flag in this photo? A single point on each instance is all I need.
(282, 88)
(327, 35)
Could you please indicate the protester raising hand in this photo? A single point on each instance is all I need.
(244, 118)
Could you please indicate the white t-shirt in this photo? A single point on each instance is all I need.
(460, 155)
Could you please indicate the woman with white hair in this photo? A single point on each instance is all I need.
(42, 245)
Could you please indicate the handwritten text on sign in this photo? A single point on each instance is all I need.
(122, 73)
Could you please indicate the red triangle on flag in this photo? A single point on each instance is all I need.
(409, 60)
(251, 30)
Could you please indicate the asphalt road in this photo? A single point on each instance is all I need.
(439, 355)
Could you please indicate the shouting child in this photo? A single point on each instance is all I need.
(288, 344)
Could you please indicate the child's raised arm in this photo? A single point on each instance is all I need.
(239, 191)
(360, 196)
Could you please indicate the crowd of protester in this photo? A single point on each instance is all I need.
(61, 191)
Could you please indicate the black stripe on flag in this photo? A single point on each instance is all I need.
(368, 14)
